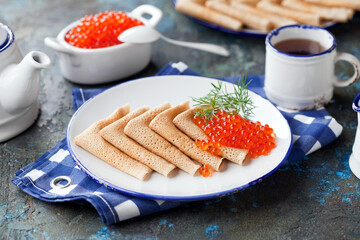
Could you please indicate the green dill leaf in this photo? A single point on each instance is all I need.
(238, 101)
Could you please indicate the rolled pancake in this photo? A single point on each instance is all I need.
(301, 17)
(91, 141)
(198, 10)
(251, 20)
(328, 13)
(114, 134)
(184, 121)
(276, 20)
(164, 126)
(138, 129)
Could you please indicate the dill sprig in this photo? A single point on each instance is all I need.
(236, 102)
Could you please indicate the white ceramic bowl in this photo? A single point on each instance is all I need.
(102, 65)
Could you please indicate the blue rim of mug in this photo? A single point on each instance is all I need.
(276, 31)
(356, 103)
(9, 38)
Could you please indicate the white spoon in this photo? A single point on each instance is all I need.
(144, 34)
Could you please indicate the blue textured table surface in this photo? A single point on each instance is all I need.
(315, 198)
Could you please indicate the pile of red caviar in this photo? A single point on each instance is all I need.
(234, 131)
(100, 30)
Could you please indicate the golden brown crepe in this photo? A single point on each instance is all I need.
(354, 4)
(185, 123)
(164, 126)
(276, 20)
(91, 141)
(114, 133)
(251, 20)
(138, 129)
(301, 17)
(328, 13)
(198, 10)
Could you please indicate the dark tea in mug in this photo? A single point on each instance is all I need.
(299, 46)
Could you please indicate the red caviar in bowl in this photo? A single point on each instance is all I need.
(100, 30)
(234, 131)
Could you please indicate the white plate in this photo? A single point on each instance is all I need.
(154, 91)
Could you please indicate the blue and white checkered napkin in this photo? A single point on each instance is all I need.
(311, 130)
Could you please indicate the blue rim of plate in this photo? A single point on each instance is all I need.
(160, 197)
(246, 31)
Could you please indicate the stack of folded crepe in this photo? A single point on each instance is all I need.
(159, 139)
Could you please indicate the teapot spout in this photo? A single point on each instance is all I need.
(20, 83)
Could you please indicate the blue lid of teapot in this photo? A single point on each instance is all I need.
(4, 36)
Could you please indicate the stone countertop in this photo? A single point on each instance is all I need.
(315, 198)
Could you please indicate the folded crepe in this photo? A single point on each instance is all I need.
(138, 129)
(91, 141)
(164, 126)
(114, 134)
(184, 121)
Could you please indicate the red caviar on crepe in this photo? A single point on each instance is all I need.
(232, 130)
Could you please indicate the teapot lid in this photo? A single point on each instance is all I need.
(4, 36)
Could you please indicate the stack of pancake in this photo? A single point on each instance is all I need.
(159, 139)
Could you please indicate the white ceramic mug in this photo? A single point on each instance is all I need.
(303, 82)
(354, 161)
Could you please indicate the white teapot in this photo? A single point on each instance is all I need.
(19, 85)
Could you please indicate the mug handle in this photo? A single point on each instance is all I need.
(353, 61)
(154, 12)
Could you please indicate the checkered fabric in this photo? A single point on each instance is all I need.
(311, 130)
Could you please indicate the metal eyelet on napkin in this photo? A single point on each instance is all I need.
(55, 183)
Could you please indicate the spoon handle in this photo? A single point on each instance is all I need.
(201, 46)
